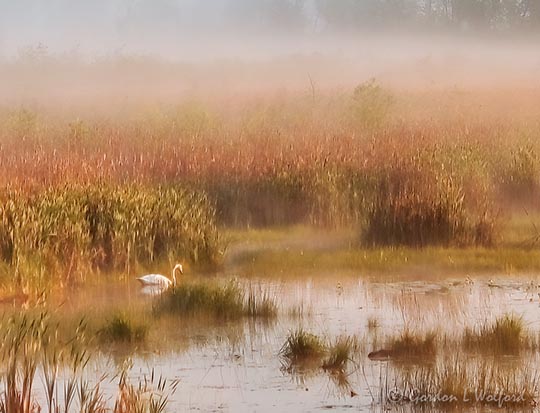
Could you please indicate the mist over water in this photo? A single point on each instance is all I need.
(75, 49)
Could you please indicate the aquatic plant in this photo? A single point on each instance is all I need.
(150, 395)
(506, 334)
(458, 381)
(301, 346)
(340, 353)
(122, 328)
(226, 301)
(413, 344)
(34, 350)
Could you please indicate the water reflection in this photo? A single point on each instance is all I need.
(235, 366)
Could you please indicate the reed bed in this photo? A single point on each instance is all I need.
(275, 162)
(368, 158)
(73, 230)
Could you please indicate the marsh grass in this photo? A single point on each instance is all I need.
(302, 347)
(75, 229)
(167, 176)
(340, 353)
(227, 301)
(34, 350)
(505, 335)
(150, 395)
(122, 328)
(303, 350)
(418, 206)
(260, 304)
(461, 381)
(410, 344)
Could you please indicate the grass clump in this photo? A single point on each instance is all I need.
(301, 347)
(223, 302)
(260, 304)
(506, 335)
(373, 323)
(410, 344)
(151, 395)
(121, 328)
(340, 353)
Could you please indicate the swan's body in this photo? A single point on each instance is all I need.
(160, 281)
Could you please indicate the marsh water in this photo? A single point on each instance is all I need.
(236, 366)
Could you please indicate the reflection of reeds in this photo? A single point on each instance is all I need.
(458, 381)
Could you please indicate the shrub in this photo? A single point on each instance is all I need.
(371, 104)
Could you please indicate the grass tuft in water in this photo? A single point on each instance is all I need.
(506, 335)
(261, 304)
(340, 353)
(223, 302)
(121, 328)
(301, 346)
(412, 344)
(373, 323)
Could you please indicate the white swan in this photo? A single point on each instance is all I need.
(160, 281)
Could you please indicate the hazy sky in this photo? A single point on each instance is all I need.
(143, 26)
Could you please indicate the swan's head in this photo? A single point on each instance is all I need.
(179, 268)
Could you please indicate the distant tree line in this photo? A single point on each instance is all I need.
(324, 15)
(287, 15)
(460, 14)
